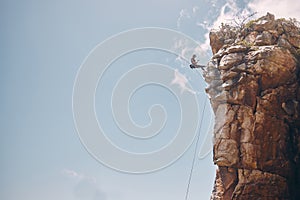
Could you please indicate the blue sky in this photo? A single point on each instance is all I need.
(43, 44)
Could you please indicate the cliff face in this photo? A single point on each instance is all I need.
(254, 90)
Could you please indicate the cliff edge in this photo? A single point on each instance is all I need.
(254, 81)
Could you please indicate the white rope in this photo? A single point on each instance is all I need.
(194, 156)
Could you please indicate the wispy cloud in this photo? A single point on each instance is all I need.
(213, 2)
(195, 9)
(188, 14)
(180, 80)
(280, 8)
(182, 48)
(86, 187)
(227, 13)
(74, 174)
(230, 11)
(86, 190)
(71, 173)
(203, 24)
(186, 49)
(183, 14)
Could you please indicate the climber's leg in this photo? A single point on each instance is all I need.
(192, 66)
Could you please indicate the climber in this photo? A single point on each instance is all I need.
(195, 63)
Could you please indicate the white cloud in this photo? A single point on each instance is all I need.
(227, 13)
(186, 49)
(70, 173)
(203, 24)
(203, 49)
(206, 45)
(86, 190)
(195, 9)
(182, 14)
(86, 187)
(230, 11)
(181, 47)
(74, 174)
(213, 2)
(280, 8)
(181, 81)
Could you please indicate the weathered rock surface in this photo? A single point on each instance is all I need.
(254, 89)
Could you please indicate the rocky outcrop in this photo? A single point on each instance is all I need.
(254, 81)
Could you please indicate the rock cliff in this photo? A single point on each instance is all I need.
(253, 85)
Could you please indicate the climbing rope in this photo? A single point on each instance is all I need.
(195, 152)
